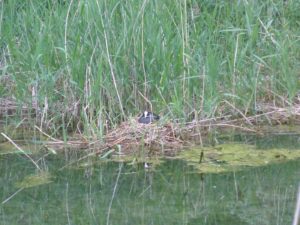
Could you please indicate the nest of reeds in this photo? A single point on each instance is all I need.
(131, 137)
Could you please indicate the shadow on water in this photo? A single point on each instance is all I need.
(172, 193)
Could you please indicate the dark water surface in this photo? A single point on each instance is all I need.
(172, 193)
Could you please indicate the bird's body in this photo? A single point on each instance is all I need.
(148, 117)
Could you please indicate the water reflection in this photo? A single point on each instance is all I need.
(114, 193)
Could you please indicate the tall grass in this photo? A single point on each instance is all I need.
(99, 62)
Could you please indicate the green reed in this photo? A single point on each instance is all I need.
(98, 62)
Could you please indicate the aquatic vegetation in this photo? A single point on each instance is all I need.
(234, 156)
(35, 180)
(7, 148)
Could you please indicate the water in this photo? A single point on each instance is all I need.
(172, 193)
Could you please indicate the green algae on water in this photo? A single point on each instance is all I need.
(8, 148)
(229, 157)
(34, 180)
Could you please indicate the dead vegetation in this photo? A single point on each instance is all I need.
(131, 135)
(9, 107)
(164, 138)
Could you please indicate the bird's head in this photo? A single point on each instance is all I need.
(146, 113)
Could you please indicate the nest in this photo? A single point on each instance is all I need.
(131, 136)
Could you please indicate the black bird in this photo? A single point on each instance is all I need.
(148, 117)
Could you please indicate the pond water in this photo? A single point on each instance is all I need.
(170, 193)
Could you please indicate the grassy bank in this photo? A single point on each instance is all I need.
(98, 62)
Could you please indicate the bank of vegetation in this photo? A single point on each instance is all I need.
(88, 66)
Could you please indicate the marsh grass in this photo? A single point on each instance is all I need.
(91, 64)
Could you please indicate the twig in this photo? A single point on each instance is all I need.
(297, 210)
(21, 150)
(53, 139)
(239, 111)
(10, 197)
(113, 195)
(67, 203)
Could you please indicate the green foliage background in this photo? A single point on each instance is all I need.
(102, 61)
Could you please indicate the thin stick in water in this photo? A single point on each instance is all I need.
(297, 210)
(10, 197)
(21, 150)
(113, 195)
